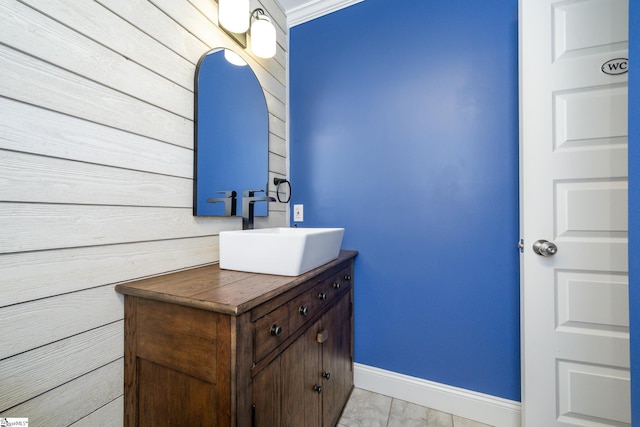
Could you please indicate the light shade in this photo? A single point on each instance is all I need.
(263, 37)
(234, 15)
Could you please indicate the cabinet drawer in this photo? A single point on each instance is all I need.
(275, 327)
(341, 280)
(271, 330)
(310, 303)
(305, 306)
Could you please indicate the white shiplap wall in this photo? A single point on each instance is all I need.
(96, 161)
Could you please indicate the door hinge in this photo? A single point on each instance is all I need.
(521, 245)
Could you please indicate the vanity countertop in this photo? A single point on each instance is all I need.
(222, 291)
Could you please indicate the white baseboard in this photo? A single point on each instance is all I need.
(484, 408)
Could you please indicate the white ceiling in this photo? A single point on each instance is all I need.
(299, 11)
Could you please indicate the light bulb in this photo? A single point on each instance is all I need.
(263, 37)
(234, 15)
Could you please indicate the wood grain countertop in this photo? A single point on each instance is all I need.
(223, 291)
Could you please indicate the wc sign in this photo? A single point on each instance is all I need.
(616, 66)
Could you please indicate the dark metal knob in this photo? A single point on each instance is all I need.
(322, 296)
(304, 311)
(326, 375)
(545, 248)
(275, 330)
(336, 285)
(317, 388)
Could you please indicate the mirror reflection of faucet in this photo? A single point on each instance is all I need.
(248, 200)
(229, 201)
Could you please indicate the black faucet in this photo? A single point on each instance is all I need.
(229, 201)
(248, 199)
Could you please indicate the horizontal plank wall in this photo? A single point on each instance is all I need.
(96, 176)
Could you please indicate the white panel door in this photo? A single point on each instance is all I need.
(575, 328)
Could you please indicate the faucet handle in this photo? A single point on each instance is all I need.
(229, 201)
(228, 194)
(251, 193)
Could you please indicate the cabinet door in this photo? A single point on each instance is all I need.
(301, 381)
(266, 396)
(337, 371)
(285, 392)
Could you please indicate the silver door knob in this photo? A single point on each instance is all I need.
(545, 248)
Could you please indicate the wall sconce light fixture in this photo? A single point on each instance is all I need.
(263, 35)
(234, 19)
(232, 15)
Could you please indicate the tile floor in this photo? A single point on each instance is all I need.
(367, 409)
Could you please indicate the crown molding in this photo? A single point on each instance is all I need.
(314, 9)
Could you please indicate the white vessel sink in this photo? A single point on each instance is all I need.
(282, 251)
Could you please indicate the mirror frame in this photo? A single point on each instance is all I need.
(199, 205)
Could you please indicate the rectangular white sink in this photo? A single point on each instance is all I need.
(282, 251)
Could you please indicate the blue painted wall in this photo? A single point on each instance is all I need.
(634, 204)
(404, 130)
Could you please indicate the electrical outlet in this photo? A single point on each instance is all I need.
(298, 213)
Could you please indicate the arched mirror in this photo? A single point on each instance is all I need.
(231, 136)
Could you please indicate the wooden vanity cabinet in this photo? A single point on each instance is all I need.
(210, 347)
